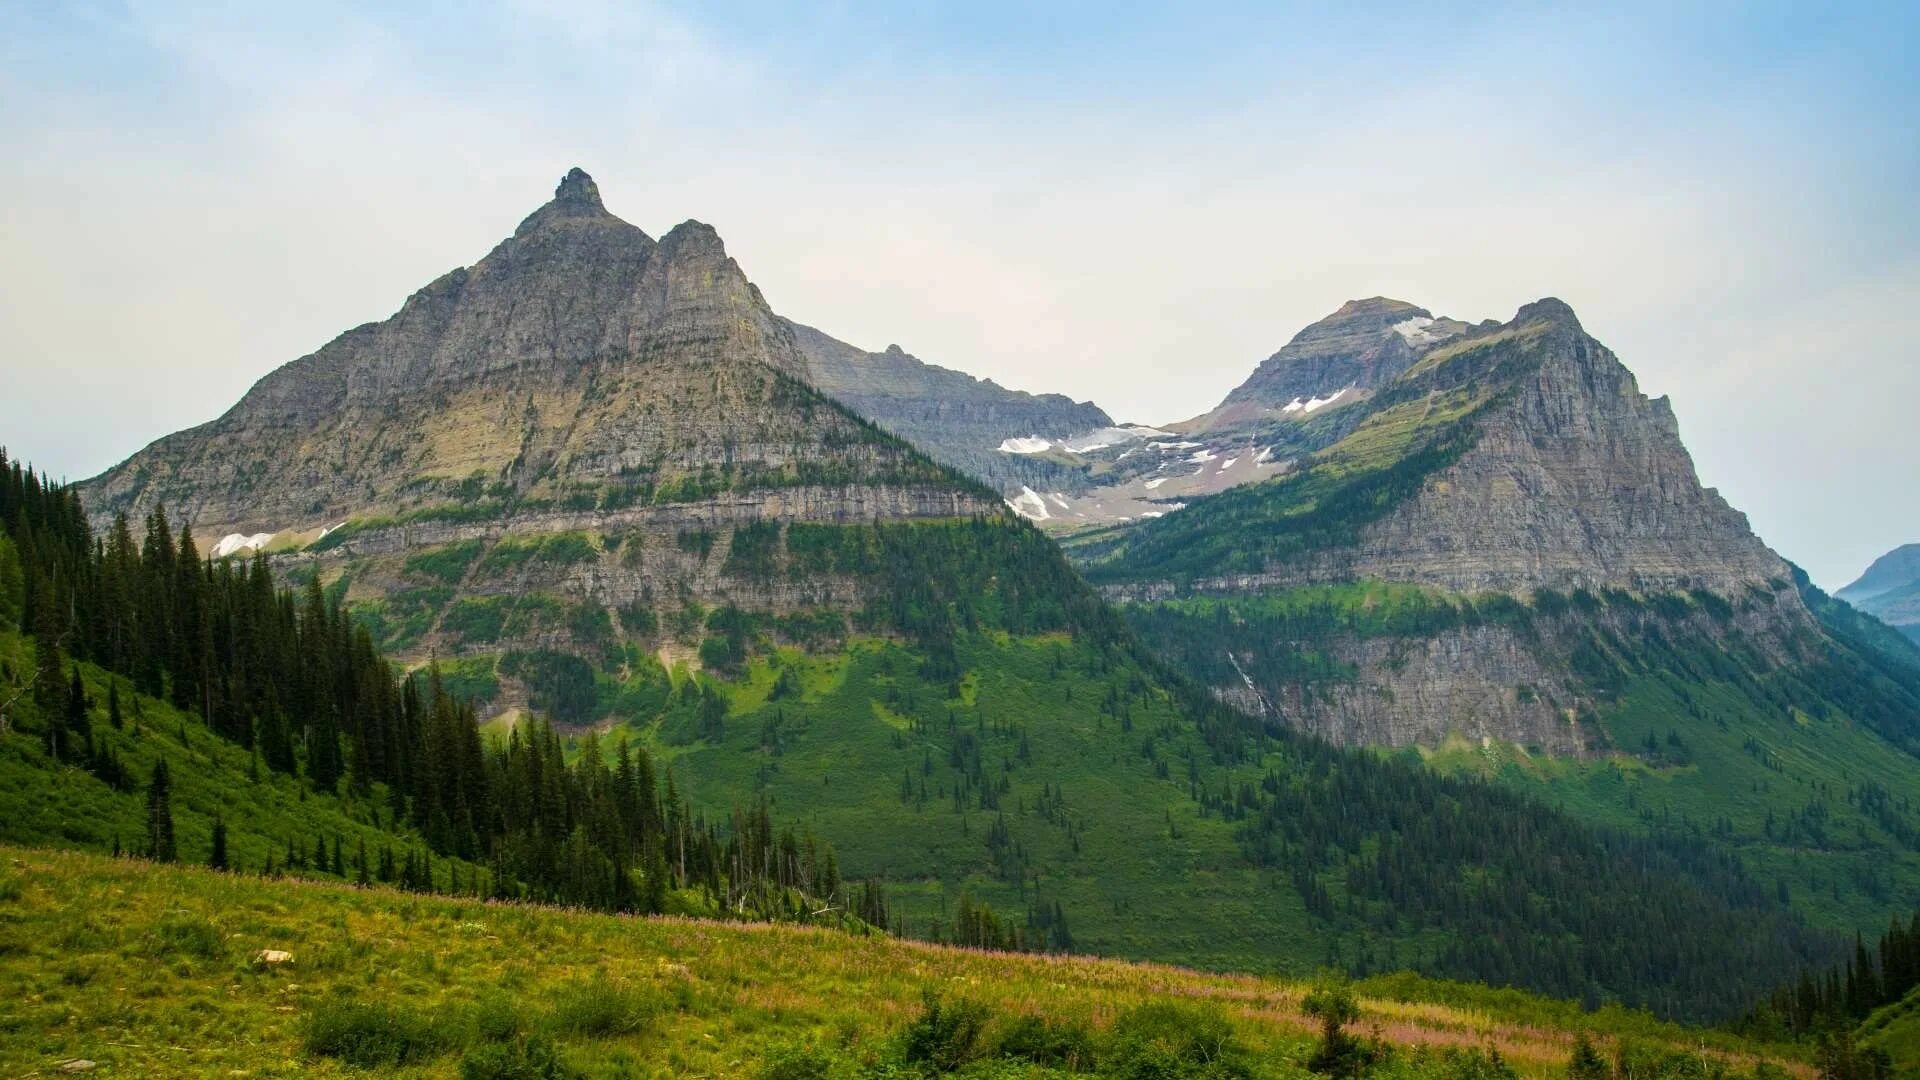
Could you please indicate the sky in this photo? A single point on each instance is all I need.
(1128, 203)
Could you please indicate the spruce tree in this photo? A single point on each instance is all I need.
(113, 705)
(77, 722)
(218, 858)
(1586, 1062)
(160, 844)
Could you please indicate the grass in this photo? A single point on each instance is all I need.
(95, 963)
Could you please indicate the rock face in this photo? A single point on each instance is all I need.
(959, 420)
(1288, 407)
(563, 362)
(1507, 458)
(552, 449)
(1890, 590)
(1364, 345)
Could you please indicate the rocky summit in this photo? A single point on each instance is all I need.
(1501, 510)
(580, 367)
(549, 449)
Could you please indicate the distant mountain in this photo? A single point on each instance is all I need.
(1502, 556)
(1890, 590)
(1293, 404)
(1364, 345)
(957, 419)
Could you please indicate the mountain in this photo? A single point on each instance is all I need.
(1289, 406)
(1502, 557)
(1357, 349)
(1890, 590)
(958, 420)
(588, 478)
(581, 370)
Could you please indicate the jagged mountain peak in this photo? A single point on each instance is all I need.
(1548, 309)
(575, 204)
(527, 343)
(577, 188)
(1373, 306)
(1362, 345)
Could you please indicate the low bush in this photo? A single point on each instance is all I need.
(946, 1035)
(530, 1057)
(597, 1008)
(372, 1036)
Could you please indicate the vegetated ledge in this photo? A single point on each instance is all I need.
(160, 971)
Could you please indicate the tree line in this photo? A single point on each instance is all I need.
(288, 675)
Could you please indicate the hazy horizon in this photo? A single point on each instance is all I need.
(1132, 208)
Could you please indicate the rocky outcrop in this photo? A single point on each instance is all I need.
(960, 420)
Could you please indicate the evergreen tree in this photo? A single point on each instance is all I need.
(1586, 1062)
(160, 844)
(78, 724)
(218, 858)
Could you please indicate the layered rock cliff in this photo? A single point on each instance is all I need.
(552, 448)
(580, 360)
(1514, 459)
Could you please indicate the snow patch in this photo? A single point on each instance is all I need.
(1201, 457)
(1059, 500)
(1321, 403)
(1153, 513)
(1228, 464)
(1265, 455)
(234, 543)
(1028, 504)
(1172, 445)
(1033, 444)
(1156, 482)
(1414, 330)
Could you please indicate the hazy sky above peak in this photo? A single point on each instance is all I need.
(1133, 206)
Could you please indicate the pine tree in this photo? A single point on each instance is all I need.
(1586, 1062)
(218, 858)
(113, 705)
(78, 724)
(160, 844)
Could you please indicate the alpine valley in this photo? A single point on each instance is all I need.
(586, 578)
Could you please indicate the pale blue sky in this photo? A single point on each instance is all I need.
(1124, 203)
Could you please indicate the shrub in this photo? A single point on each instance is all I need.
(1065, 1045)
(599, 1008)
(371, 1036)
(1166, 1041)
(530, 1057)
(946, 1035)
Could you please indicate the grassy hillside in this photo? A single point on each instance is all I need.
(155, 971)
